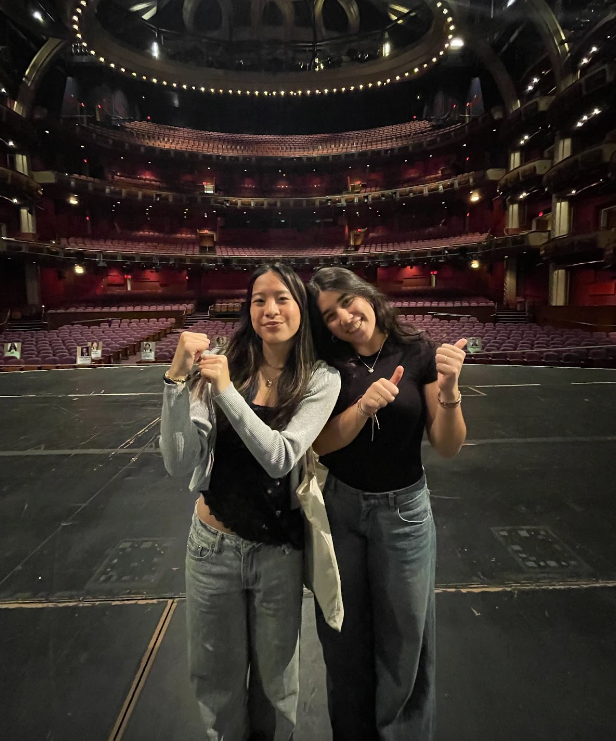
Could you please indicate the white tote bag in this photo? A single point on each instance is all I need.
(321, 574)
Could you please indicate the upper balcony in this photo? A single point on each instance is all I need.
(593, 88)
(525, 117)
(157, 140)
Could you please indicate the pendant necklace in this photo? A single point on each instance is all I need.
(371, 367)
(268, 381)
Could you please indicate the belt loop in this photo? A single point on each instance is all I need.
(218, 543)
(392, 500)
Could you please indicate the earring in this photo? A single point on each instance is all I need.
(334, 339)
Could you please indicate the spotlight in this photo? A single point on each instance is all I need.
(155, 50)
(79, 269)
(456, 43)
(475, 264)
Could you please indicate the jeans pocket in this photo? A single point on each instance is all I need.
(417, 510)
(202, 542)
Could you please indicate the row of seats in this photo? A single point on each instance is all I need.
(282, 251)
(407, 304)
(214, 329)
(183, 247)
(212, 142)
(526, 343)
(520, 343)
(425, 244)
(124, 308)
(185, 235)
(226, 307)
(59, 347)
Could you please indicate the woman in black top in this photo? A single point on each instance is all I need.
(381, 666)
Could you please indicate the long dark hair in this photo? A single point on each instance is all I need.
(245, 350)
(345, 281)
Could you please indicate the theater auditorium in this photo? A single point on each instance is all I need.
(460, 157)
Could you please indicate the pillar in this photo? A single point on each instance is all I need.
(510, 288)
(559, 286)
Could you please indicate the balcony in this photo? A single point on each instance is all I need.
(525, 176)
(598, 244)
(581, 169)
(524, 117)
(583, 93)
(63, 183)
(18, 187)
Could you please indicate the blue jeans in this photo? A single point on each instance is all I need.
(380, 668)
(244, 609)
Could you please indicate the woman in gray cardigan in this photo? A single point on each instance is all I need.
(241, 426)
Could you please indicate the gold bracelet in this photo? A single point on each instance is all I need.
(182, 379)
(450, 404)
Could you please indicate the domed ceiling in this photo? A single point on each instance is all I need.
(282, 46)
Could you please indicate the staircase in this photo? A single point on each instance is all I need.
(191, 320)
(26, 325)
(510, 316)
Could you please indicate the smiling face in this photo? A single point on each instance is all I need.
(274, 313)
(349, 318)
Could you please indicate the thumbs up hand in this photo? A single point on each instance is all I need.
(381, 392)
(449, 362)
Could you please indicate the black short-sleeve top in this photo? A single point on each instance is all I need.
(393, 459)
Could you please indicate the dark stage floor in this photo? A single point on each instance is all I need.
(92, 536)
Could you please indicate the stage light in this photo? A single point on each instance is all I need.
(456, 43)
(79, 269)
(155, 50)
(475, 264)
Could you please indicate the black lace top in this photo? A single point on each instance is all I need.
(245, 499)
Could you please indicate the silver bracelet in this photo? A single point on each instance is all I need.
(450, 404)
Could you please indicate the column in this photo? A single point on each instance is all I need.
(561, 217)
(559, 286)
(33, 285)
(27, 218)
(510, 288)
(512, 220)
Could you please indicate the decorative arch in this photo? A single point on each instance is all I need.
(286, 8)
(351, 10)
(189, 13)
(37, 69)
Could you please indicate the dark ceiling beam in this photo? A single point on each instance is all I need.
(20, 14)
(554, 39)
(37, 69)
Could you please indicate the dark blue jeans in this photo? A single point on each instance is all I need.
(380, 668)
